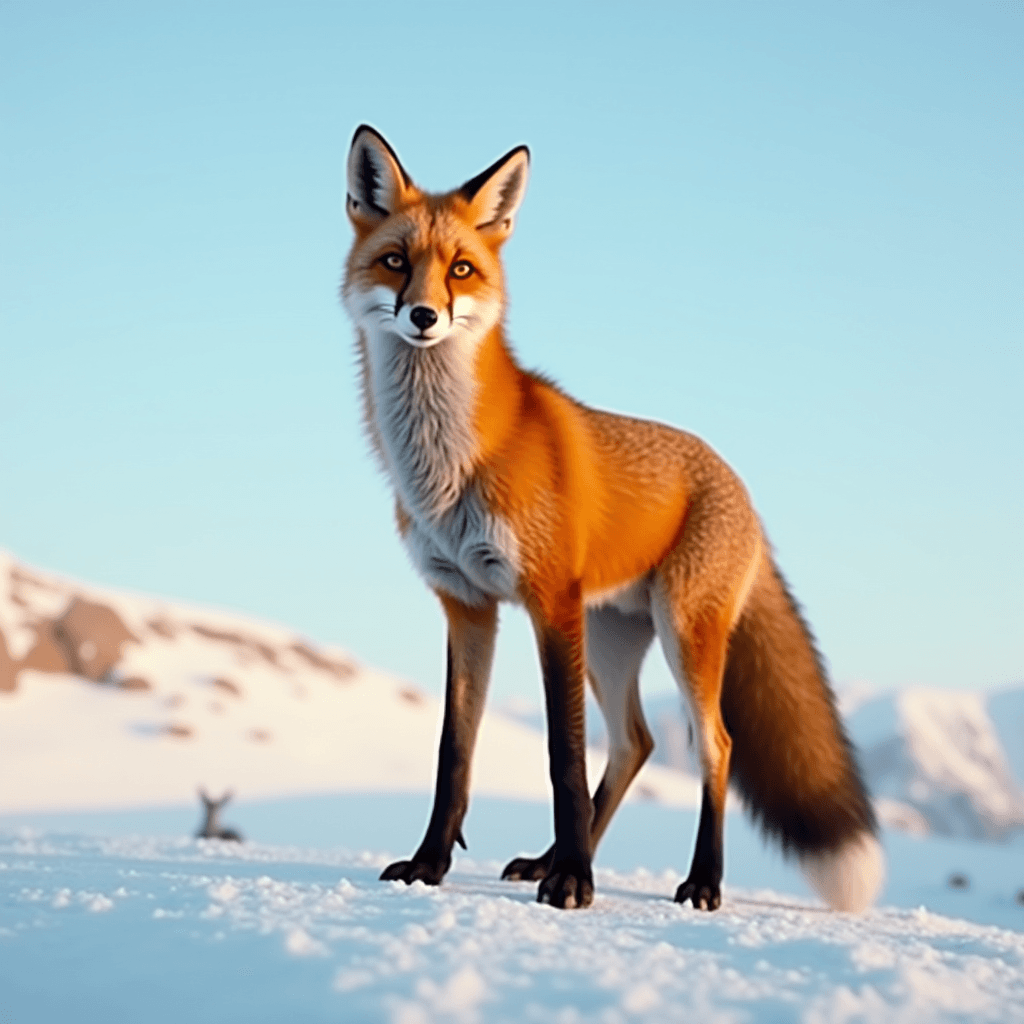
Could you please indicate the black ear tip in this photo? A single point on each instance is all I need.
(366, 128)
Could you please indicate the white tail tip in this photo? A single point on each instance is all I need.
(849, 878)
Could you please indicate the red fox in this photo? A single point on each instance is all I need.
(609, 531)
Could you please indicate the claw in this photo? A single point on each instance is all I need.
(428, 871)
(567, 885)
(527, 869)
(703, 895)
(394, 872)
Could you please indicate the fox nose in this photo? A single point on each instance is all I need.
(423, 317)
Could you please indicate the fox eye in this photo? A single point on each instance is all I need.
(462, 268)
(394, 261)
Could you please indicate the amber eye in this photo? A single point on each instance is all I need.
(394, 261)
(462, 268)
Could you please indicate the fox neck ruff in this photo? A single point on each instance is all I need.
(423, 403)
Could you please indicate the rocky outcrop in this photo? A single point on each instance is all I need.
(51, 625)
(92, 636)
(87, 639)
(8, 668)
(47, 653)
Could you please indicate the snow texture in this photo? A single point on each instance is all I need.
(137, 928)
(115, 915)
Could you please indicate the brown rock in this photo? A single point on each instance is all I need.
(219, 634)
(92, 636)
(226, 686)
(246, 645)
(337, 668)
(137, 684)
(178, 731)
(267, 653)
(19, 575)
(162, 628)
(8, 668)
(46, 654)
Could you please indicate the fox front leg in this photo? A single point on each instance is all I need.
(616, 644)
(568, 881)
(471, 633)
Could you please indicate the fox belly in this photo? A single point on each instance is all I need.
(469, 552)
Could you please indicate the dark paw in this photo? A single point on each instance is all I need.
(568, 884)
(417, 870)
(528, 869)
(704, 895)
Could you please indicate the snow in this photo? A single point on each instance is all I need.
(232, 703)
(109, 910)
(941, 755)
(127, 926)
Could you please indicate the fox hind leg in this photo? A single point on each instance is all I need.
(616, 644)
(696, 652)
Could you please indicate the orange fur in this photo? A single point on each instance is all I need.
(508, 489)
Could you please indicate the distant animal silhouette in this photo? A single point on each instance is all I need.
(211, 827)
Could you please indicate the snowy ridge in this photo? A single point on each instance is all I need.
(112, 699)
(937, 762)
(943, 756)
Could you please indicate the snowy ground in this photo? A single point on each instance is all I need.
(115, 917)
(120, 701)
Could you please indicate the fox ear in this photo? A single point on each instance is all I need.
(495, 195)
(377, 182)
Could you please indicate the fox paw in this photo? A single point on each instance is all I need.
(419, 869)
(705, 895)
(568, 884)
(528, 869)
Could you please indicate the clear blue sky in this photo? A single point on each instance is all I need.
(794, 229)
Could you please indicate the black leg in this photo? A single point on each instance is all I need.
(533, 869)
(569, 881)
(470, 650)
(703, 886)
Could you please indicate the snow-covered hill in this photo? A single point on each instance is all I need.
(112, 699)
(943, 760)
(939, 762)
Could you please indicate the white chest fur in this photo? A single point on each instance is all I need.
(470, 553)
(423, 401)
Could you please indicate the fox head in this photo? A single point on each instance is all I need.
(425, 269)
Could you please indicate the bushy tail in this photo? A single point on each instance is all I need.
(791, 759)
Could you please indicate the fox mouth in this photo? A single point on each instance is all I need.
(420, 340)
(377, 310)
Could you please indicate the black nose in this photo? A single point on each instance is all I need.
(423, 317)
